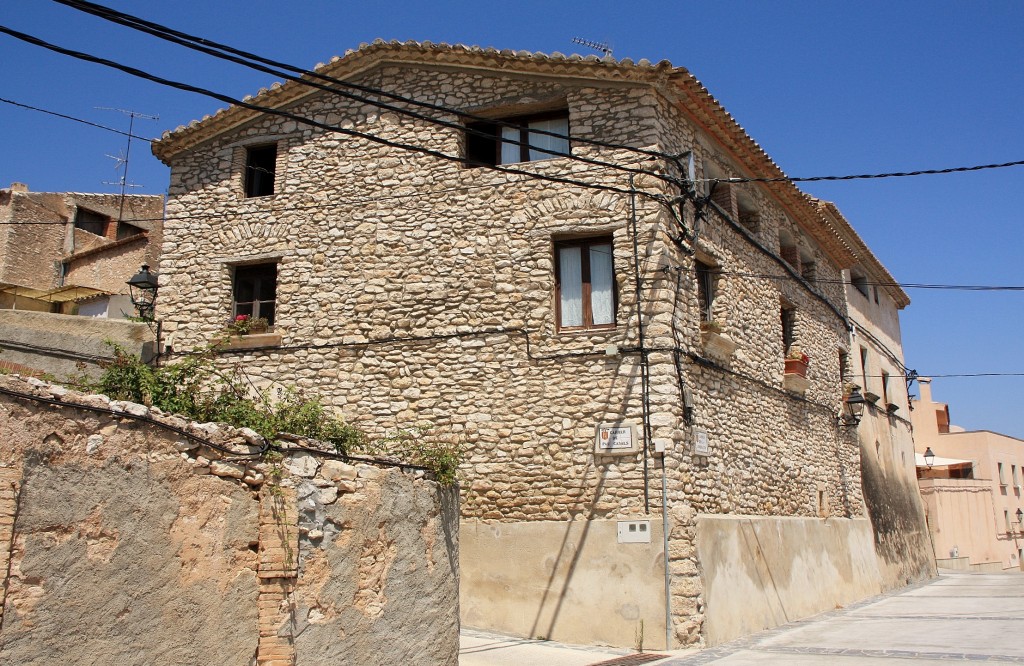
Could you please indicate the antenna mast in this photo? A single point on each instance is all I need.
(132, 115)
(603, 47)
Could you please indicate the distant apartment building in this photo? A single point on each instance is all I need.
(71, 253)
(971, 487)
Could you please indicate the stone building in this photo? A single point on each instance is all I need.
(528, 251)
(72, 253)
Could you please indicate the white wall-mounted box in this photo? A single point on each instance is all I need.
(634, 531)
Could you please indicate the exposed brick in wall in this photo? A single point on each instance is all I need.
(9, 482)
(278, 574)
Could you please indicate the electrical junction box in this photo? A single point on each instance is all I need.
(634, 531)
(615, 439)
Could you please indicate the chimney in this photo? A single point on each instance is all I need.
(926, 389)
(19, 187)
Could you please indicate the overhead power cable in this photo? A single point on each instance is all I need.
(902, 285)
(864, 176)
(310, 78)
(35, 41)
(77, 120)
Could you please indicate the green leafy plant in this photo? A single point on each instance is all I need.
(420, 447)
(196, 388)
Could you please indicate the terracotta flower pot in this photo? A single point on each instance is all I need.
(797, 366)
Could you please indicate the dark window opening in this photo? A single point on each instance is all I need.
(125, 230)
(705, 290)
(494, 143)
(255, 291)
(860, 283)
(585, 284)
(809, 271)
(885, 387)
(864, 367)
(788, 327)
(260, 168)
(92, 222)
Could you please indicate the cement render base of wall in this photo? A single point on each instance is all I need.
(761, 572)
(563, 581)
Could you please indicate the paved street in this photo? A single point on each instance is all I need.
(964, 617)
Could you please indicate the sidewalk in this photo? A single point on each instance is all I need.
(967, 617)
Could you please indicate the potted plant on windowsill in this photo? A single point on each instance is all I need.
(244, 324)
(796, 362)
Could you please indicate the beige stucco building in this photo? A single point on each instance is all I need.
(972, 489)
(71, 252)
(520, 252)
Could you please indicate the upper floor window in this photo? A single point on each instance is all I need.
(91, 221)
(705, 290)
(860, 283)
(585, 280)
(260, 168)
(788, 315)
(255, 291)
(125, 230)
(518, 139)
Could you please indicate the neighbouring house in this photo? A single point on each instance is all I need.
(971, 485)
(644, 362)
(72, 253)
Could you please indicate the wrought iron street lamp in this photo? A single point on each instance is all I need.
(853, 408)
(143, 289)
(929, 457)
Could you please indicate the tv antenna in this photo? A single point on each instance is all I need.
(122, 160)
(603, 47)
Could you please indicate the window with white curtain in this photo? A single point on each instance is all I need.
(518, 139)
(585, 279)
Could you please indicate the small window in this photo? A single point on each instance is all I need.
(260, 168)
(585, 281)
(255, 291)
(1002, 476)
(518, 139)
(705, 290)
(864, 367)
(860, 283)
(1013, 476)
(885, 387)
(125, 230)
(788, 315)
(809, 271)
(91, 221)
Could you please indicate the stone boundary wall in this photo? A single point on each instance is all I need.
(128, 536)
(59, 344)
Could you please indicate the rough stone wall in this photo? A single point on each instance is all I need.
(28, 253)
(405, 282)
(126, 542)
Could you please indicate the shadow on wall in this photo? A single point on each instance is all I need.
(897, 522)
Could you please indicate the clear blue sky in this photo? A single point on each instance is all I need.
(825, 87)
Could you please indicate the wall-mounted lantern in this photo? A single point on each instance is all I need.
(143, 288)
(853, 408)
(929, 457)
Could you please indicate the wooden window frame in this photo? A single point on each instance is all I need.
(588, 315)
(476, 145)
(259, 274)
